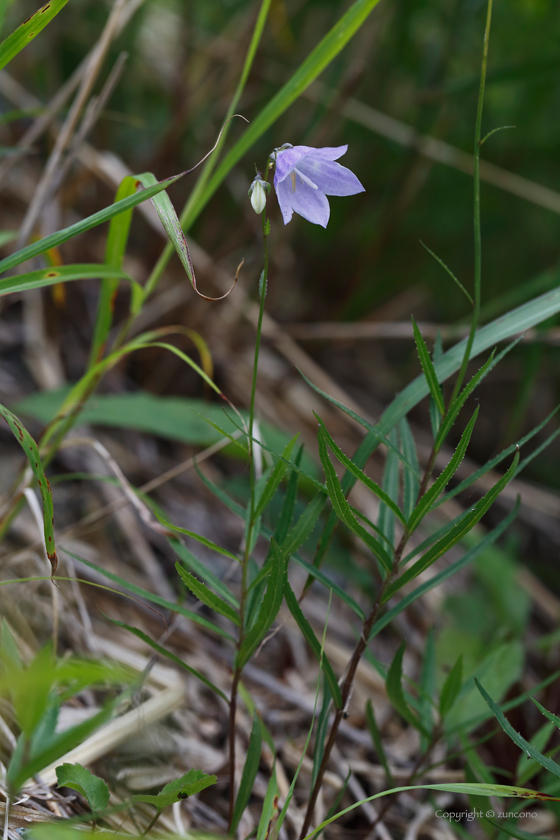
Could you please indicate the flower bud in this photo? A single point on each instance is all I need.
(257, 193)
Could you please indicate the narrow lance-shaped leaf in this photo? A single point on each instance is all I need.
(168, 655)
(32, 454)
(386, 517)
(199, 568)
(428, 499)
(395, 692)
(312, 640)
(460, 400)
(28, 30)
(201, 591)
(359, 474)
(457, 533)
(377, 741)
(303, 528)
(518, 739)
(411, 484)
(275, 478)
(342, 508)
(451, 688)
(250, 770)
(428, 368)
(270, 606)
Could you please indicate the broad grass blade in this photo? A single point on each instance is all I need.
(28, 30)
(61, 274)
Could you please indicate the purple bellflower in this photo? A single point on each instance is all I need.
(304, 178)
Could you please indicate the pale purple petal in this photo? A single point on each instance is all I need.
(287, 159)
(328, 152)
(331, 178)
(307, 202)
(284, 193)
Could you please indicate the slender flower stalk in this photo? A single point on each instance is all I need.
(261, 187)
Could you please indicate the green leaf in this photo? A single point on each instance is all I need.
(518, 739)
(270, 606)
(395, 693)
(451, 688)
(168, 655)
(503, 328)
(269, 809)
(201, 591)
(386, 518)
(528, 767)
(551, 717)
(448, 270)
(117, 240)
(199, 568)
(428, 368)
(411, 485)
(312, 640)
(192, 782)
(155, 599)
(428, 684)
(427, 501)
(323, 54)
(91, 787)
(359, 474)
(60, 274)
(342, 508)
(28, 30)
(489, 465)
(289, 503)
(305, 524)
(321, 732)
(32, 454)
(455, 534)
(89, 222)
(275, 478)
(250, 770)
(377, 741)
(461, 398)
(317, 574)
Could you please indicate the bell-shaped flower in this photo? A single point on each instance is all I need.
(305, 176)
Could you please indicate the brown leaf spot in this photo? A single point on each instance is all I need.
(52, 274)
(53, 560)
(45, 8)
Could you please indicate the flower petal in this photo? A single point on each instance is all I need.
(329, 152)
(287, 159)
(331, 178)
(284, 193)
(309, 203)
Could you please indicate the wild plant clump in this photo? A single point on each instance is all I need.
(228, 667)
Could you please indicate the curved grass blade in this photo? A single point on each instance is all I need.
(428, 368)
(168, 655)
(465, 788)
(154, 599)
(456, 533)
(342, 508)
(55, 239)
(428, 499)
(448, 270)
(32, 454)
(201, 591)
(61, 274)
(28, 30)
(360, 475)
(117, 239)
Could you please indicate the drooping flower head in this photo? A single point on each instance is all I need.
(304, 177)
(258, 192)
